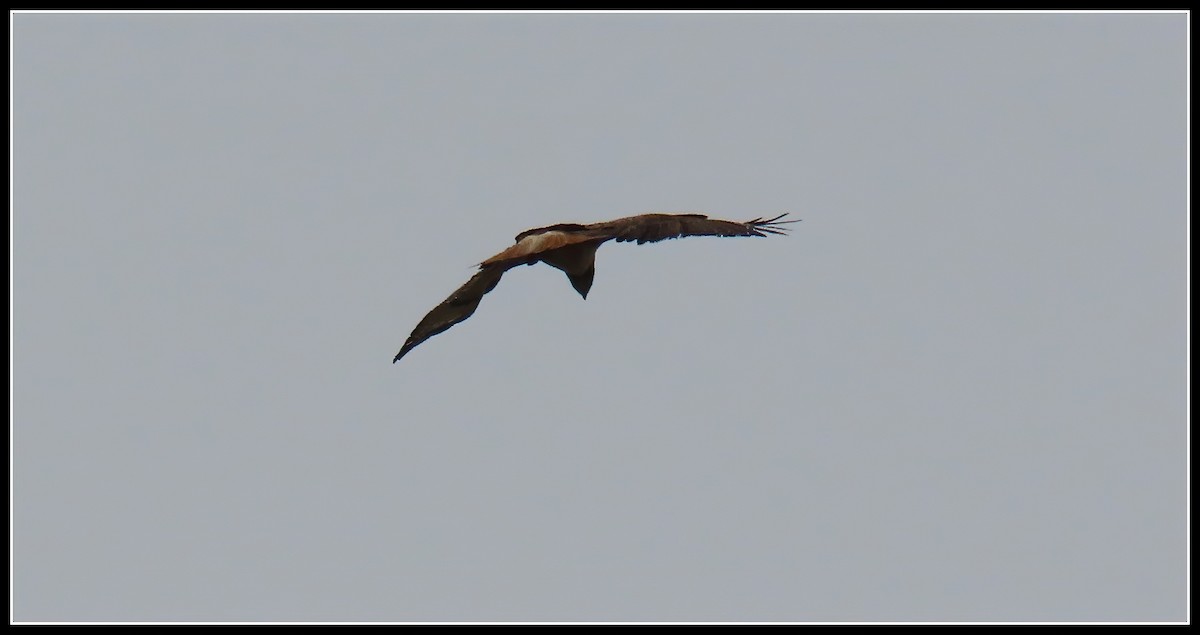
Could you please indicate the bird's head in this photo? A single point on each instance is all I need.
(583, 282)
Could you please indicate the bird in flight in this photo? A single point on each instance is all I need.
(571, 248)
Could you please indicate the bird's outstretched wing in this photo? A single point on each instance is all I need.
(456, 308)
(649, 228)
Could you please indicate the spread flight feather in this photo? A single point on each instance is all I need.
(571, 248)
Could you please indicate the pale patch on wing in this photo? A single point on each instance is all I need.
(535, 244)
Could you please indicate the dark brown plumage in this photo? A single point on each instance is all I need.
(571, 248)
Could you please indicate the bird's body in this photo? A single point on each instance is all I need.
(571, 248)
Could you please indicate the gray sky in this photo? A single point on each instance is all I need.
(956, 392)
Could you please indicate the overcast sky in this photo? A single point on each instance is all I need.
(957, 391)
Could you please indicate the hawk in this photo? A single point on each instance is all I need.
(571, 248)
